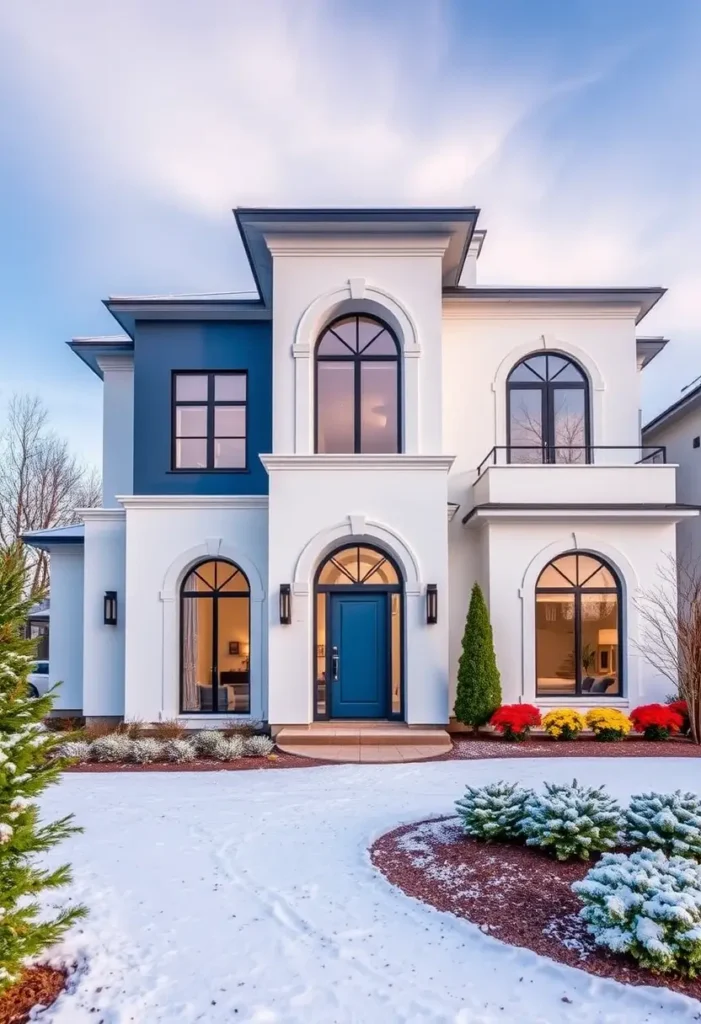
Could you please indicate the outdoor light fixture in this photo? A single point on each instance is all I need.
(110, 607)
(431, 603)
(285, 604)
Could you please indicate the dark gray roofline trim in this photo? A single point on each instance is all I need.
(579, 507)
(44, 542)
(673, 409)
(90, 349)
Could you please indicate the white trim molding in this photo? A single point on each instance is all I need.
(378, 463)
(193, 501)
(101, 515)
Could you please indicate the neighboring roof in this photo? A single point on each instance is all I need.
(645, 298)
(648, 348)
(255, 222)
(90, 349)
(688, 401)
(573, 509)
(59, 536)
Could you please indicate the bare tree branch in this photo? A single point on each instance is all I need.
(41, 483)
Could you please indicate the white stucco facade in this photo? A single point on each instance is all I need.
(450, 508)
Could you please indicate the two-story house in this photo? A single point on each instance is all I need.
(300, 489)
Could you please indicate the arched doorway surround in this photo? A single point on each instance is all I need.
(358, 635)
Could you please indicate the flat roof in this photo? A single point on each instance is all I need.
(58, 536)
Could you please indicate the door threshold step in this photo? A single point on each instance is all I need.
(354, 735)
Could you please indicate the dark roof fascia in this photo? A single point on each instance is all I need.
(261, 262)
(651, 347)
(44, 541)
(675, 409)
(579, 507)
(646, 297)
(128, 310)
(90, 350)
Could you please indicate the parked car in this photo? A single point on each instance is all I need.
(39, 679)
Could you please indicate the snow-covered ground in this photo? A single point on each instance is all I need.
(249, 896)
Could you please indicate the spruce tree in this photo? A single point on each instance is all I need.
(27, 766)
(479, 686)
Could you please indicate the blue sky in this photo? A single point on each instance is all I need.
(130, 128)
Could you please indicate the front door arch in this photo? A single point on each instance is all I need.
(358, 635)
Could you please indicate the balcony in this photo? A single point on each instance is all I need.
(594, 478)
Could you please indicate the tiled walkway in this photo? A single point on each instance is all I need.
(366, 742)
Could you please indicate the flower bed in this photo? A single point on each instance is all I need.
(515, 893)
(39, 985)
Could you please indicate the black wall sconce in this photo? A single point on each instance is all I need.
(110, 607)
(431, 603)
(285, 604)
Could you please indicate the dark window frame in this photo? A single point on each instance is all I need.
(211, 404)
(327, 589)
(358, 358)
(214, 595)
(547, 388)
(577, 591)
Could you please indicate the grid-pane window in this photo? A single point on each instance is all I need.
(209, 421)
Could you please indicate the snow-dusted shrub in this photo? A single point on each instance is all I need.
(670, 822)
(114, 747)
(257, 746)
(210, 743)
(179, 751)
(648, 906)
(76, 750)
(571, 820)
(146, 750)
(229, 750)
(493, 813)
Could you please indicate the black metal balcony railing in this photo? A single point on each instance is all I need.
(571, 455)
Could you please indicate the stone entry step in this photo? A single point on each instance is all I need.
(364, 741)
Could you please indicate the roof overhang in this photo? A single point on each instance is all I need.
(91, 350)
(255, 223)
(127, 309)
(648, 348)
(59, 537)
(640, 300)
(639, 512)
(688, 402)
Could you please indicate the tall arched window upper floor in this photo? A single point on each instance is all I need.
(548, 410)
(358, 388)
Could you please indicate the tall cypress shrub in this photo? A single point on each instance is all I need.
(27, 767)
(479, 685)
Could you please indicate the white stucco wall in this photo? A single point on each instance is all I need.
(677, 435)
(117, 428)
(517, 554)
(103, 646)
(165, 537)
(66, 643)
(396, 503)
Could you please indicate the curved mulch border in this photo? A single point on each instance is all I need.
(515, 893)
(38, 985)
(277, 760)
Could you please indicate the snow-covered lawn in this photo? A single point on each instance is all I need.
(249, 896)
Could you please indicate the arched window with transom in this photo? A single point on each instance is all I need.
(578, 624)
(215, 638)
(358, 635)
(358, 406)
(548, 411)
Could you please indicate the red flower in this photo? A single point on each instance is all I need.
(681, 708)
(515, 719)
(657, 717)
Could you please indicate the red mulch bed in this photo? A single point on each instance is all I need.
(515, 893)
(278, 760)
(37, 985)
(466, 746)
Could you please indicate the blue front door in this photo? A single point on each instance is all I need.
(359, 656)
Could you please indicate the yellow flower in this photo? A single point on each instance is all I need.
(608, 721)
(563, 723)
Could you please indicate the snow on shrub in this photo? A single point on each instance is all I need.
(572, 821)
(494, 812)
(656, 721)
(76, 750)
(114, 747)
(257, 746)
(209, 743)
(670, 822)
(179, 750)
(648, 906)
(608, 724)
(563, 723)
(145, 751)
(514, 721)
(229, 749)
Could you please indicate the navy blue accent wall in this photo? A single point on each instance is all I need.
(161, 347)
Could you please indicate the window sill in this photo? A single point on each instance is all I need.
(205, 472)
(588, 702)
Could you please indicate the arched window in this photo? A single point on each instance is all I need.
(358, 635)
(357, 388)
(215, 640)
(578, 625)
(548, 411)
